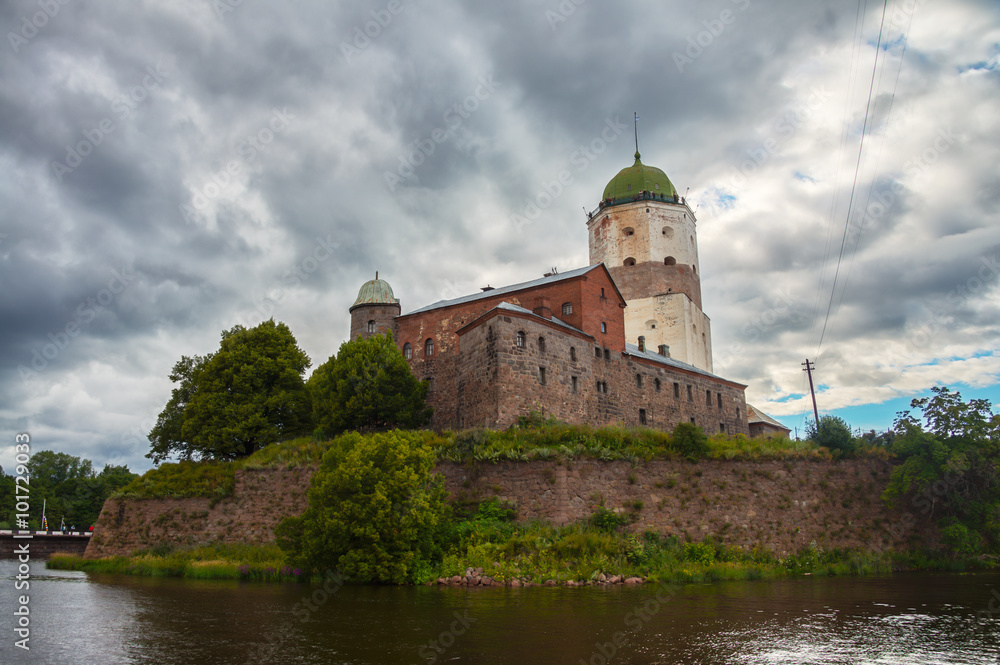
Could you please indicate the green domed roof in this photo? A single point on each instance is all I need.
(375, 292)
(638, 178)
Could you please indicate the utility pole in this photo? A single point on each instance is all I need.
(809, 367)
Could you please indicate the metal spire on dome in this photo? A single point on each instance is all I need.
(636, 135)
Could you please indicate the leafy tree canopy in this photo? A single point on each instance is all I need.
(951, 467)
(376, 512)
(67, 486)
(248, 394)
(367, 386)
(834, 433)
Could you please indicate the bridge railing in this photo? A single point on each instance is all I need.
(29, 532)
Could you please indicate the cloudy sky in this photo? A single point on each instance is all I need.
(173, 168)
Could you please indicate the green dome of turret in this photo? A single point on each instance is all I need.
(375, 292)
(636, 179)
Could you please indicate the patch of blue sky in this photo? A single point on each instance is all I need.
(880, 416)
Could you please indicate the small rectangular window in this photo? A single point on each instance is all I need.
(692, 421)
(574, 382)
(690, 393)
(708, 398)
(572, 353)
(656, 382)
(638, 380)
(642, 416)
(567, 308)
(607, 354)
(719, 395)
(604, 327)
(597, 352)
(722, 427)
(602, 291)
(677, 390)
(541, 375)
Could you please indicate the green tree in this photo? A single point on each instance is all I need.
(71, 490)
(690, 441)
(248, 394)
(367, 386)
(7, 500)
(950, 468)
(376, 512)
(833, 433)
(167, 436)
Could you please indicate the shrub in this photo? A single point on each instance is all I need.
(376, 512)
(690, 441)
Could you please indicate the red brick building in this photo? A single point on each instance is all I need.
(554, 345)
(573, 345)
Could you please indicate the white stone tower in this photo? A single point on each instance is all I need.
(645, 234)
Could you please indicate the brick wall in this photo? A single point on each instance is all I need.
(780, 506)
(495, 368)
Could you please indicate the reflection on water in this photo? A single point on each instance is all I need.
(916, 620)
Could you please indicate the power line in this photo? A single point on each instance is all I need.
(854, 185)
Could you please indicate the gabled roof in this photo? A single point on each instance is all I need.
(524, 312)
(633, 350)
(504, 290)
(755, 415)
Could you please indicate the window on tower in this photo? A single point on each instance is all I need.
(567, 308)
(630, 261)
(628, 231)
(519, 340)
(371, 326)
(669, 261)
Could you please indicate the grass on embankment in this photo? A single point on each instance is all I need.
(212, 562)
(531, 440)
(535, 552)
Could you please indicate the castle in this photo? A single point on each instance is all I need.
(623, 340)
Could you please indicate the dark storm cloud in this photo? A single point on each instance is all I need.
(220, 213)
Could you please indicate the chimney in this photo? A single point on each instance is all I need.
(642, 343)
(542, 307)
(664, 350)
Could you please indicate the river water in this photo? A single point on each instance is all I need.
(906, 619)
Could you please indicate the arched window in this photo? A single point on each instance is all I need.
(407, 351)
(668, 232)
(429, 347)
(541, 345)
(567, 308)
(371, 326)
(630, 261)
(572, 353)
(628, 231)
(519, 340)
(656, 382)
(669, 261)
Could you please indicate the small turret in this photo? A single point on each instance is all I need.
(375, 310)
